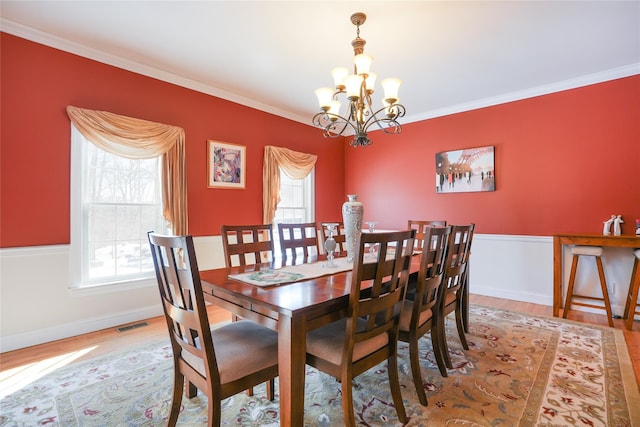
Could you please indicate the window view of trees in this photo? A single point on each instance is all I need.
(121, 202)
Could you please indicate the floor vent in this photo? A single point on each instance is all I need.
(129, 327)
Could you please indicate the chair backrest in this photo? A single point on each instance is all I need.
(420, 226)
(378, 286)
(239, 241)
(432, 270)
(298, 240)
(458, 257)
(176, 268)
(340, 237)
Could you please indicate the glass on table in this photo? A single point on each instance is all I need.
(330, 244)
(371, 228)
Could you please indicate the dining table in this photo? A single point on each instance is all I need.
(292, 308)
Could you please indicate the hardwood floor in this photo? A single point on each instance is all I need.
(108, 340)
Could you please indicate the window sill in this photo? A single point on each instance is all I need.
(105, 288)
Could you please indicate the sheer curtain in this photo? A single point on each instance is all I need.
(140, 139)
(296, 165)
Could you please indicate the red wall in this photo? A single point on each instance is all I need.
(564, 162)
(38, 82)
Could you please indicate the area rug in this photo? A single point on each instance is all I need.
(520, 370)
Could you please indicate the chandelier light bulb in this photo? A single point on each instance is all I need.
(339, 74)
(334, 110)
(324, 95)
(370, 82)
(363, 64)
(391, 87)
(353, 83)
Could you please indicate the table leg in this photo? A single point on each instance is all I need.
(291, 369)
(557, 275)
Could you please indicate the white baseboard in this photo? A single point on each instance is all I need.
(39, 336)
(515, 295)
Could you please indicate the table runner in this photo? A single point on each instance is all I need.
(292, 273)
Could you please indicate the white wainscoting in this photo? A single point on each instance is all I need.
(521, 268)
(512, 267)
(37, 304)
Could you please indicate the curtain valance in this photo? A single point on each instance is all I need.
(296, 165)
(141, 139)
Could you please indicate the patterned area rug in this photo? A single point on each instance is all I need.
(520, 370)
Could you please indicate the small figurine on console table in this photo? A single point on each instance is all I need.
(607, 225)
(637, 227)
(617, 229)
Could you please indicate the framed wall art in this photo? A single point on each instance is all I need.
(468, 170)
(226, 165)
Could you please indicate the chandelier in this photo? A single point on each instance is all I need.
(358, 87)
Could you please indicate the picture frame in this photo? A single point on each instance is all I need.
(226, 165)
(466, 170)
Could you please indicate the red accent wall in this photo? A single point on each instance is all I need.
(38, 82)
(564, 162)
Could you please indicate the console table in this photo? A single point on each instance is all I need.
(559, 240)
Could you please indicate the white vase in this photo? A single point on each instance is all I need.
(352, 214)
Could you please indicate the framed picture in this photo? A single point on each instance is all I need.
(468, 170)
(226, 165)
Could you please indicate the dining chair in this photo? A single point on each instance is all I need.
(245, 243)
(219, 362)
(298, 240)
(340, 237)
(419, 315)
(420, 226)
(453, 290)
(368, 334)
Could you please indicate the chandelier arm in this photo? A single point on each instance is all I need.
(388, 124)
(332, 125)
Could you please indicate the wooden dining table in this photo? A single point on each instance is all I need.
(291, 309)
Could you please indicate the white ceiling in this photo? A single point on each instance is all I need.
(451, 56)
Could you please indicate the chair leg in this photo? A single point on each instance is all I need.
(190, 390)
(347, 402)
(271, 389)
(572, 281)
(394, 384)
(460, 324)
(214, 412)
(443, 342)
(437, 351)
(415, 370)
(632, 297)
(605, 292)
(176, 399)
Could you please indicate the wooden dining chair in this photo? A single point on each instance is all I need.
(340, 237)
(247, 244)
(368, 335)
(219, 362)
(420, 226)
(419, 315)
(298, 240)
(455, 280)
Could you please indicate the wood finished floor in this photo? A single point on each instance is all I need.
(109, 340)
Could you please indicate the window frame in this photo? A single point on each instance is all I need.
(79, 231)
(308, 204)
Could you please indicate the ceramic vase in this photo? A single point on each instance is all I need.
(352, 213)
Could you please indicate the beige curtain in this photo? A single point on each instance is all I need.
(296, 165)
(140, 139)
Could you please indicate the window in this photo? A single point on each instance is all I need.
(115, 202)
(296, 203)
